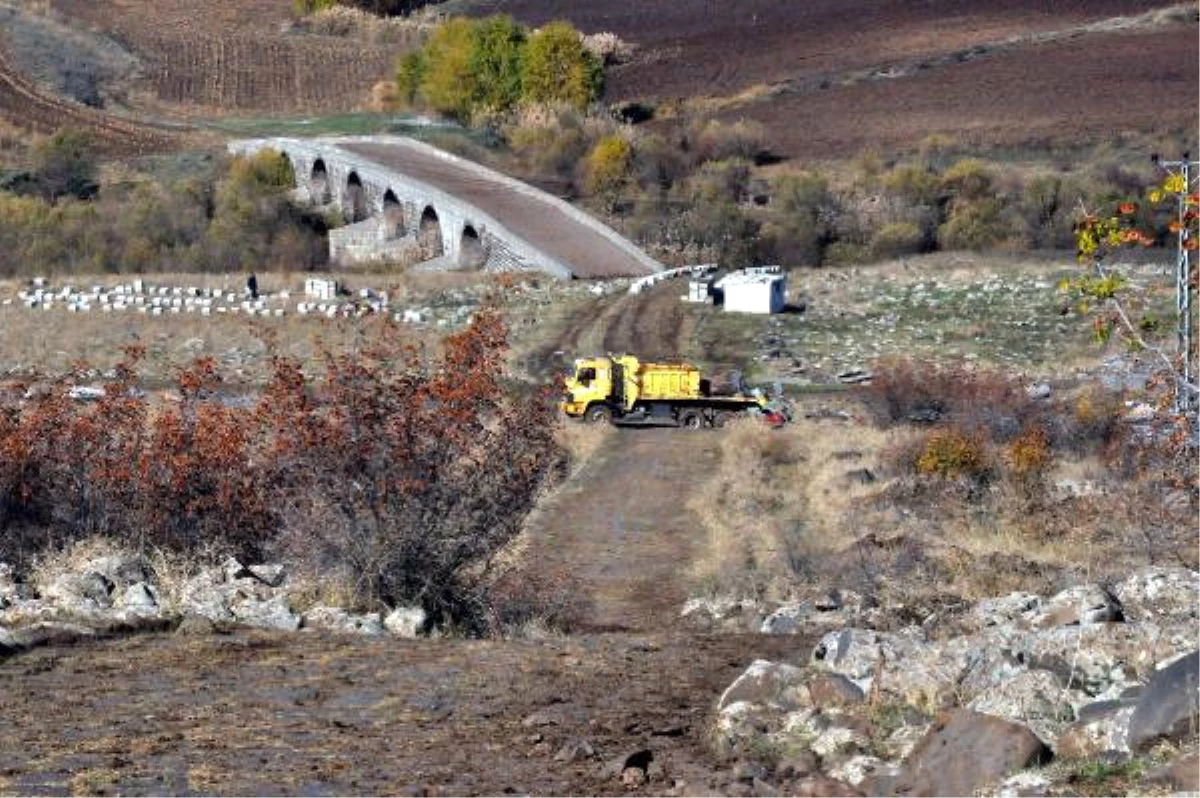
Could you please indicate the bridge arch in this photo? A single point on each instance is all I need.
(354, 198)
(471, 252)
(393, 215)
(429, 234)
(318, 183)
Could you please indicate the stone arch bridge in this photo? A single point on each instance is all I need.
(407, 201)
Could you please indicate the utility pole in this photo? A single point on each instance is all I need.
(1186, 398)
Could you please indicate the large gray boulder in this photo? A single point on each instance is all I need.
(1009, 610)
(963, 752)
(82, 593)
(1075, 606)
(1160, 595)
(769, 684)
(1033, 698)
(1102, 728)
(273, 613)
(1168, 705)
(139, 599)
(405, 621)
(1102, 660)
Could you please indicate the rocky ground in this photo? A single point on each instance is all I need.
(232, 678)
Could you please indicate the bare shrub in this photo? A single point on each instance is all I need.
(397, 477)
(406, 475)
(608, 47)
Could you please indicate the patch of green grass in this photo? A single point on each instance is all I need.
(347, 124)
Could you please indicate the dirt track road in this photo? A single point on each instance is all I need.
(620, 529)
(314, 714)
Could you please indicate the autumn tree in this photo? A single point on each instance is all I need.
(608, 167)
(558, 69)
(495, 62)
(448, 83)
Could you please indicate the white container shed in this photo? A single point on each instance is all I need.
(754, 291)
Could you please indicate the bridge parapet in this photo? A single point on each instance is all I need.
(458, 220)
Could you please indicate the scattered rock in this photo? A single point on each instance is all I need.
(767, 683)
(1026, 783)
(1168, 706)
(994, 747)
(269, 575)
(1102, 727)
(1079, 605)
(274, 613)
(1160, 594)
(838, 740)
(575, 751)
(139, 599)
(1011, 609)
(787, 620)
(860, 767)
(335, 619)
(80, 593)
(818, 785)
(539, 719)
(834, 690)
(633, 778)
(406, 622)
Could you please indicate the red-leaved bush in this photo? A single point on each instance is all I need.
(395, 473)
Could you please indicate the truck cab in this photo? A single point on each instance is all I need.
(590, 385)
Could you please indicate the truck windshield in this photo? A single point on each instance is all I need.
(586, 375)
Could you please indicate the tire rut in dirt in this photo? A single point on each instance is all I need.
(649, 325)
(620, 531)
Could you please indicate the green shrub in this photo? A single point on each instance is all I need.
(969, 179)
(974, 225)
(846, 253)
(897, 238)
(493, 64)
(912, 183)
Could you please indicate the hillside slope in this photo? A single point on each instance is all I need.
(827, 78)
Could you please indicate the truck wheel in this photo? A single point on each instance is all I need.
(598, 414)
(691, 419)
(722, 418)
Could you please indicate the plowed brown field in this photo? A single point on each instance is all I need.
(829, 77)
(237, 55)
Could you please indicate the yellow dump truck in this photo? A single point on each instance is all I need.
(627, 389)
